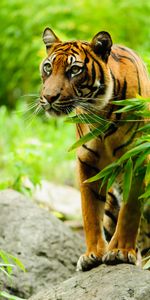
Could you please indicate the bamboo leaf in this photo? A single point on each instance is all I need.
(128, 173)
(147, 175)
(127, 102)
(89, 136)
(143, 113)
(105, 172)
(135, 108)
(141, 159)
(113, 177)
(134, 151)
(86, 119)
(145, 128)
(104, 180)
(146, 195)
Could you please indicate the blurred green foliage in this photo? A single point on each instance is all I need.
(22, 24)
(34, 148)
(40, 150)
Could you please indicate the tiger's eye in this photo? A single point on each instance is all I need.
(47, 68)
(76, 70)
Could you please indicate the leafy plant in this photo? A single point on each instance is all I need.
(131, 164)
(7, 263)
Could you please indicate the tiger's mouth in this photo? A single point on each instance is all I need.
(56, 109)
(60, 112)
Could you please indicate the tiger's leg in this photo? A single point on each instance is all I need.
(122, 247)
(111, 212)
(92, 211)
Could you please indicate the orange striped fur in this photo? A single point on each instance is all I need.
(86, 77)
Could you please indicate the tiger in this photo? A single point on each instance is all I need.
(86, 77)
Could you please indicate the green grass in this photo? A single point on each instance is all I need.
(34, 150)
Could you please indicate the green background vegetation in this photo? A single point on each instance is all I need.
(38, 149)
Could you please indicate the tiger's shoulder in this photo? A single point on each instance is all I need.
(129, 72)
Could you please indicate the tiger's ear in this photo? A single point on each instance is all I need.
(101, 44)
(49, 38)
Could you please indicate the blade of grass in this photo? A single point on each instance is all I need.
(8, 296)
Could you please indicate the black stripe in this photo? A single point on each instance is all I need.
(118, 116)
(114, 199)
(118, 86)
(114, 81)
(93, 73)
(118, 58)
(91, 150)
(129, 129)
(100, 67)
(131, 52)
(147, 234)
(112, 129)
(109, 214)
(89, 166)
(79, 129)
(86, 60)
(145, 251)
(74, 51)
(107, 235)
(126, 143)
(123, 92)
(98, 196)
(114, 56)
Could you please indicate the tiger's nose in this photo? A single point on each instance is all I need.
(51, 98)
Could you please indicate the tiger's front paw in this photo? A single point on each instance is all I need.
(117, 256)
(87, 262)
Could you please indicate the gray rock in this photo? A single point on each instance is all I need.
(48, 249)
(120, 282)
(67, 200)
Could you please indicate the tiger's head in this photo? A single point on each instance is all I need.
(75, 74)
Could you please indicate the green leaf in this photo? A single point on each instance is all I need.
(105, 172)
(135, 108)
(6, 265)
(127, 102)
(18, 262)
(134, 151)
(8, 296)
(5, 272)
(86, 119)
(128, 173)
(5, 258)
(147, 175)
(143, 113)
(145, 128)
(113, 177)
(89, 136)
(146, 195)
(104, 180)
(141, 159)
